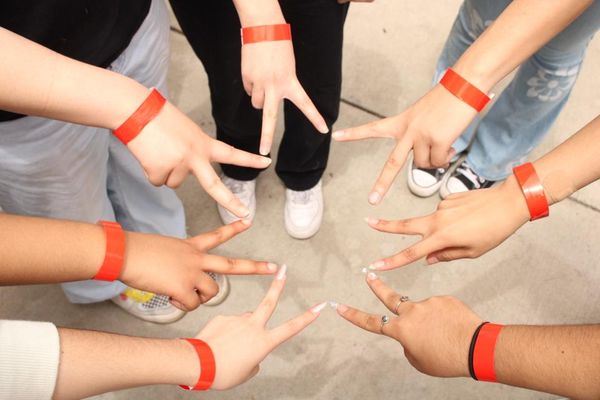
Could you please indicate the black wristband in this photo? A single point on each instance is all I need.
(472, 348)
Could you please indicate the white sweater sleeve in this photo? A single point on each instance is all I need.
(29, 357)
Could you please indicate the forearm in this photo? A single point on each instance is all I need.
(95, 362)
(37, 81)
(36, 250)
(522, 28)
(259, 12)
(563, 360)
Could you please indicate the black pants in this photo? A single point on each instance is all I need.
(213, 29)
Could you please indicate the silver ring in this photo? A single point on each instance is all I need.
(384, 320)
(403, 299)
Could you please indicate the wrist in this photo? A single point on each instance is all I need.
(186, 368)
(476, 73)
(517, 201)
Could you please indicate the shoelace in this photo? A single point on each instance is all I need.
(466, 170)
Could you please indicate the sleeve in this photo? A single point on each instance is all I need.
(29, 358)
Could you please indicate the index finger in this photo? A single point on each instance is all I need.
(210, 240)
(293, 327)
(226, 154)
(299, 97)
(409, 255)
(394, 301)
(384, 128)
(391, 169)
(267, 306)
(269, 121)
(366, 321)
(236, 266)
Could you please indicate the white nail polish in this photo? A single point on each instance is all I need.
(371, 276)
(318, 308)
(272, 267)
(281, 274)
(374, 198)
(376, 265)
(333, 305)
(365, 270)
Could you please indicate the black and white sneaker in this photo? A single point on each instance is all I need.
(425, 182)
(463, 179)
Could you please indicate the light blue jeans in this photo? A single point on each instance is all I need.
(524, 112)
(54, 169)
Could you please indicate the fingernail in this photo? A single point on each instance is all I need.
(432, 260)
(267, 160)
(333, 305)
(246, 221)
(281, 274)
(272, 267)
(264, 150)
(318, 308)
(365, 270)
(323, 128)
(374, 198)
(338, 134)
(371, 276)
(377, 265)
(245, 213)
(371, 221)
(341, 308)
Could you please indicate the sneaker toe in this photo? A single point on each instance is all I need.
(422, 178)
(455, 185)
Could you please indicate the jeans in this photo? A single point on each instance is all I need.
(525, 111)
(54, 169)
(213, 29)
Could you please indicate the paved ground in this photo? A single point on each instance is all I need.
(546, 273)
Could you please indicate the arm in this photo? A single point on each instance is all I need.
(36, 250)
(38, 81)
(470, 224)
(94, 362)
(431, 125)
(436, 334)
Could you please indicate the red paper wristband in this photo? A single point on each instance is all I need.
(266, 33)
(141, 117)
(532, 190)
(459, 87)
(208, 367)
(483, 353)
(115, 251)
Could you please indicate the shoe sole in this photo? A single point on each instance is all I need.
(221, 296)
(157, 319)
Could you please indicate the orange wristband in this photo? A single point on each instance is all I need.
(266, 33)
(208, 367)
(532, 190)
(141, 117)
(483, 352)
(459, 87)
(115, 251)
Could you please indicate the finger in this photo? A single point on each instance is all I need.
(247, 86)
(236, 266)
(157, 177)
(389, 297)
(366, 321)
(299, 97)
(410, 226)
(390, 170)
(210, 240)
(269, 122)
(439, 155)
(408, 255)
(449, 254)
(267, 306)
(383, 128)
(258, 97)
(206, 288)
(294, 326)
(254, 372)
(177, 176)
(226, 154)
(217, 190)
(421, 155)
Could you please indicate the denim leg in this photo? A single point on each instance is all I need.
(524, 113)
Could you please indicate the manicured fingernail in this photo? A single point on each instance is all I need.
(341, 308)
(338, 134)
(377, 265)
(371, 221)
(318, 308)
(333, 305)
(266, 160)
(264, 149)
(281, 274)
(323, 128)
(246, 221)
(432, 260)
(371, 276)
(365, 270)
(374, 198)
(272, 267)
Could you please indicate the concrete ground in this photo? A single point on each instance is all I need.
(545, 274)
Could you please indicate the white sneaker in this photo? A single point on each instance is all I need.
(303, 212)
(148, 306)
(425, 182)
(243, 190)
(223, 284)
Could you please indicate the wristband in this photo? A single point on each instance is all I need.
(115, 251)
(141, 117)
(207, 365)
(266, 33)
(532, 190)
(481, 352)
(459, 87)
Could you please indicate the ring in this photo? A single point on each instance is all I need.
(384, 320)
(403, 299)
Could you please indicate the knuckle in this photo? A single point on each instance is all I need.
(410, 254)
(394, 162)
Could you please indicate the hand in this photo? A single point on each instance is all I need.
(240, 343)
(172, 145)
(465, 225)
(428, 127)
(177, 267)
(435, 333)
(269, 75)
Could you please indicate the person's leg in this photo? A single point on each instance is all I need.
(317, 31)
(212, 28)
(526, 110)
